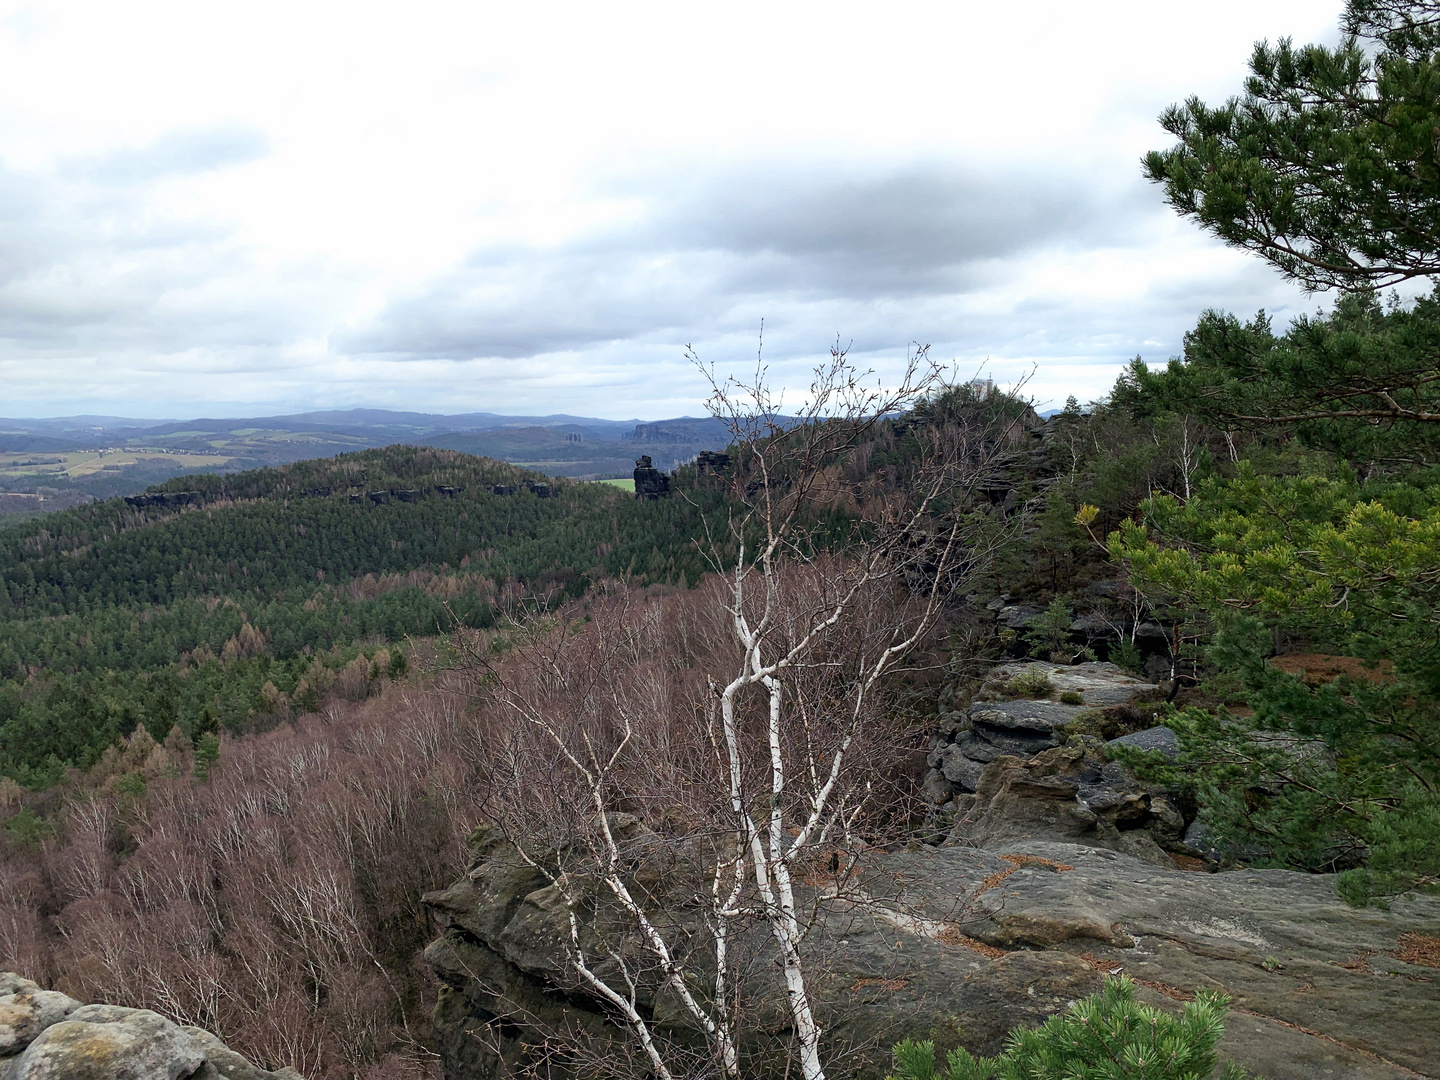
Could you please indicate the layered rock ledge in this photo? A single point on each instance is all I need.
(960, 944)
(1059, 868)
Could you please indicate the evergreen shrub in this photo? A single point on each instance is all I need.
(1107, 1036)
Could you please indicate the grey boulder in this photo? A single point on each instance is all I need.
(26, 1011)
(1096, 682)
(1159, 739)
(45, 1035)
(103, 1042)
(959, 769)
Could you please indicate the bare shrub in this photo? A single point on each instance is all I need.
(353, 682)
(277, 902)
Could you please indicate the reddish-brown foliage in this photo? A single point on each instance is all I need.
(1319, 668)
(276, 904)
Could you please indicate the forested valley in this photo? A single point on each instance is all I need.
(220, 613)
(685, 762)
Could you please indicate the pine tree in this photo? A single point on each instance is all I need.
(1107, 1036)
(1326, 165)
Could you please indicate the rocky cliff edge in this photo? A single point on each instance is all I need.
(46, 1035)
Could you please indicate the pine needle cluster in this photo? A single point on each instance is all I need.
(1107, 1036)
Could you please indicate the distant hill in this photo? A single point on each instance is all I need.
(583, 450)
(374, 422)
(23, 442)
(121, 613)
(104, 456)
(685, 429)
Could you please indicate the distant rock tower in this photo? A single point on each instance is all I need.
(711, 463)
(650, 482)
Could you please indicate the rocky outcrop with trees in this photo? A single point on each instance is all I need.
(960, 944)
(913, 717)
(1060, 869)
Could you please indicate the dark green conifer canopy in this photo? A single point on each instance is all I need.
(1326, 165)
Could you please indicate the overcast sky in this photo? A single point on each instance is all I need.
(231, 209)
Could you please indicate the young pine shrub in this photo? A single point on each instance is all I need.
(1033, 685)
(1049, 635)
(207, 752)
(1107, 1036)
(1127, 655)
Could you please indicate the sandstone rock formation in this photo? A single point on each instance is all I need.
(650, 482)
(1096, 683)
(966, 741)
(711, 463)
(45, 1035)
(962, 943)
(1320, 989)
(1060, 868)
(1072, 793)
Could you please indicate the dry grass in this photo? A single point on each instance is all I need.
(1018, 862)
(951, 935)
(995, 879)
(890, 985)
(1318, 668)
(1359, 962)
(1190, 863)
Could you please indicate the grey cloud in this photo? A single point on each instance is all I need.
(906, 225)
(91, 262)
(176, 153)
(705, 250)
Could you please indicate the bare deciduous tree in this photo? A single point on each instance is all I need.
(750, 759)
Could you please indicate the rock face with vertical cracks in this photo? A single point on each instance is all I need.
(960, 944)
(1072, 793)
(650, 482)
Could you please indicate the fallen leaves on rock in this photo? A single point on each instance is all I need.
(1018, 862)
(951, 935)
(1421, 949)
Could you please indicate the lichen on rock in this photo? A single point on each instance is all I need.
(46, 1035)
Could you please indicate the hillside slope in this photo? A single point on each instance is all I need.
(215, 602)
